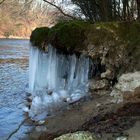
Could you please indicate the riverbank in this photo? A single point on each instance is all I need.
(99, 116)
(14, 37)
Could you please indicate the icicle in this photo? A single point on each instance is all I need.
(55, 79)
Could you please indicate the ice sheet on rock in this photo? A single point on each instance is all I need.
(56, 77)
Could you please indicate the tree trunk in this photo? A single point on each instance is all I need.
(138, 9)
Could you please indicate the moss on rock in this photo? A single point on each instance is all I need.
(73, 35)
(118, 42)
(39, 36)
(126, 32)
(68, 35)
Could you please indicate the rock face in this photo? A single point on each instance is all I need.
(80, 135)
(127, 88)
(107, 74)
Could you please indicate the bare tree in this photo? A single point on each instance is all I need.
(20, 17)
(138, 9)
(103, 10)
(60, 9)
(2, 1)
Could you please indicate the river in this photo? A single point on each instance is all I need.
(14, 55)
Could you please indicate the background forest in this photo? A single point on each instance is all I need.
(19, 17)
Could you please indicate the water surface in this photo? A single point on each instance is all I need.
(13, 84)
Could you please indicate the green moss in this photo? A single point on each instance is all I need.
(128, 32)
(69, 35)
(98, 36)
(39, 35)
(76, 35)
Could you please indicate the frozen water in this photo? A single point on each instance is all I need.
(56, 78)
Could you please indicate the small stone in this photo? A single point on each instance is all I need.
(26, 109)
(50, 92)
(28, 104)
(29, 99)
(99, 85)
(80, 135)
(121, 138)
(98, 104)
(28, 94)
(68, 100)
(107, 75)
(64, 100)
(41, 122)
(41, 128)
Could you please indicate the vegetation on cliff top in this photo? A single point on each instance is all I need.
(66, 35)
(76, 35)
(39, 35)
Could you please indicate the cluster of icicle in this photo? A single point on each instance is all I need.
(56, 79)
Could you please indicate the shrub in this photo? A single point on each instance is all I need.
(39, 35)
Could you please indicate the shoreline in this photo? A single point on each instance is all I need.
(14, 37)
(97, 118)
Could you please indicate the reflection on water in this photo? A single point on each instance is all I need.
(13, 82)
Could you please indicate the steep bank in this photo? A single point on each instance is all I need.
(114, 49)
(114, 45)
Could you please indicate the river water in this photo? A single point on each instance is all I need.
(14, 56)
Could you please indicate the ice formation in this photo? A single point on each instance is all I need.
(56, 79)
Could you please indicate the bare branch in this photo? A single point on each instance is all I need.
(2, 1)
(59, 9)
